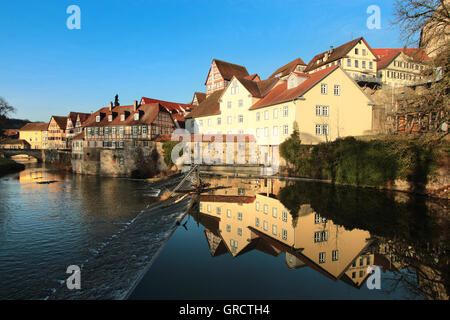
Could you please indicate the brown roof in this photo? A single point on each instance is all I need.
(386, 56)
(147, 114)
(228, 70)
(227, 199)
(60, 121)
(281, 93)
(83, 116)
(35, 126)
(337, 54)
(200, 97)
(258, 89)
(209, 107)
(288, 68)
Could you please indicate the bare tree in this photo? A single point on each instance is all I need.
(5, 109)
(425, 22)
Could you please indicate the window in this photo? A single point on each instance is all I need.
(322, 257)
(285, 111)
(356, 64)
(121, 145)
(274, 212)
(258, 132)
(144, 130)
(274, 230)
(135, 130)
(258, 116)
(364, 52)
(239, 232)
(266, 115)
(265, 226)
(97, 118)
(275, 113)
(337, 90)
(318, 219)
(335, 255)
(322, 111)
(241, 119)
(322, 130)
(364, 64)
(324, 88)
(370, 65)
(349, 62)
(275, 131)
(266, 209)
(122, 117)
(209, 122)
(234, 88)
(284, 234)
(229, 215)
(241, 103)
(257, 222)
(229, 105)
(121, 129)
(285, 130)
(228, 228)
(266, 132)
(208, 208)
(320, 236)
(239, 215)
(233, 245)
(230, 120)
(110, 118)
(218, 210)
(219, 121)
(356, 51)
(136, 116)
(257, 206)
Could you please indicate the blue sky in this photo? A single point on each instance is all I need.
(161, 49)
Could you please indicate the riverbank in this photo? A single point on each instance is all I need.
(8, 166)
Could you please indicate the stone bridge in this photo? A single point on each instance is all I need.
(35, 153)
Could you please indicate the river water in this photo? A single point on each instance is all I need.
(50, 220)
(257, 239)
(272, 239)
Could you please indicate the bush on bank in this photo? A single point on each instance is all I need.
(364, 163)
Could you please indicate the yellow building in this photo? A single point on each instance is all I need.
(57, 133)
(355, 57)
(34, 134)
(326, 105)
(401, 67)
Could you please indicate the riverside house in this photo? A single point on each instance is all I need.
(134, 125)
(35, 134)
(75, 123)
(326, 104)
(401, 67)
(355, 57)
(57, 133)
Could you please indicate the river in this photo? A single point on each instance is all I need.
(256, 239)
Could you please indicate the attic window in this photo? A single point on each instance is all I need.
(136, 116)
(110, 118)
(97, 118)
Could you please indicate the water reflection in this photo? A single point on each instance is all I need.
(337, 232)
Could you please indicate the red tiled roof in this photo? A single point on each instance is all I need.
(227, 199)
(258, 89)
(281, 93)
(253, 77)
(387, 55)
(35, 126)
(83, 116)
(337, 54)
(288, 68)
(200, 97)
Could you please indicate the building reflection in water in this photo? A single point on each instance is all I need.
(249, 216)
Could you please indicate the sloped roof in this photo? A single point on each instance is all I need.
(387, 55)
(79, 136)
(281, 93)
(228, 70)
(175, 108)
(60, 121)
(337, 54)
(83, 116)
(200, 97)
(288, 68)
(209, 107)
(35, 126)
(258, 89)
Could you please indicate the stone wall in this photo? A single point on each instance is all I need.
(59, 158)
(133, 162)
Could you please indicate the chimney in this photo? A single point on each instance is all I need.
(331, 50)
(135, 105)
(110, 106)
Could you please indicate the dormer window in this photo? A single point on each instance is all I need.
(110, 118)
(122, 117)
(97, 118)
(136, 116)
